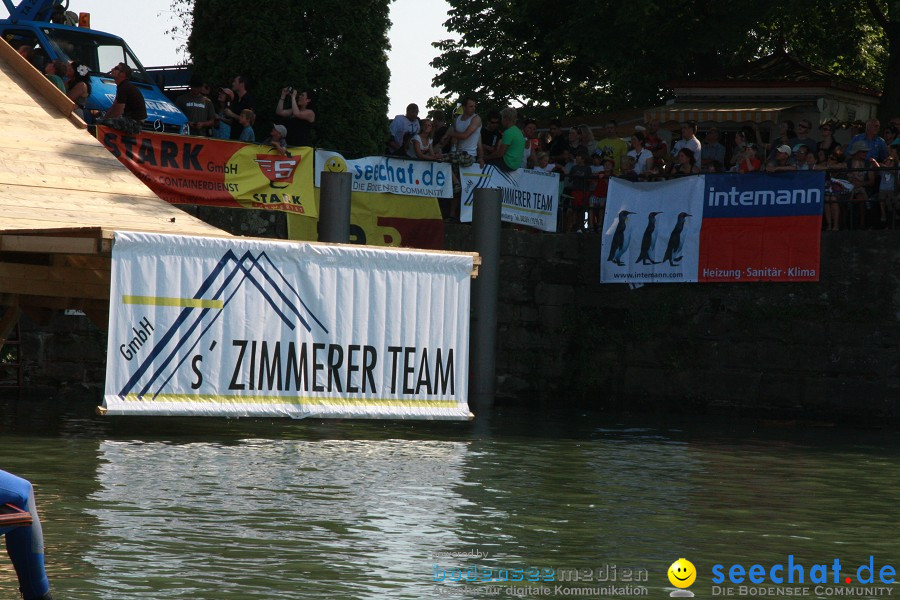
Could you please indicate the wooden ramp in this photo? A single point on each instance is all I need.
(62, 197)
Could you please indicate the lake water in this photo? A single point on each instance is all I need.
(238, 509)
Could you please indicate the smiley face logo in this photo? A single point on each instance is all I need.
(335, 164)
(682, 573)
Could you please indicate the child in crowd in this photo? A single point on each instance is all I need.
(543, 163)
(628, 172)
(246, 119)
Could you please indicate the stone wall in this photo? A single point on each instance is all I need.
(827, 351)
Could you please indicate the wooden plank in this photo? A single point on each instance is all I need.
(64, 275)
(59, 245)
(114, 182)
(83, 261)
(21, 137)
(33, 287)
(41, 84)
(56, 303)
(99, 159)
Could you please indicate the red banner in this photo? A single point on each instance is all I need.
(211, 172)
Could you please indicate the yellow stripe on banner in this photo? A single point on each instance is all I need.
(298, 400)
(162, 301)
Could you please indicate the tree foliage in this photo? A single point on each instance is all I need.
(599, 55)
(337, 49)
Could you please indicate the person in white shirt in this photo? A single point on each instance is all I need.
(403, 127)
(466, 130)
(688, 140)
(640, 154)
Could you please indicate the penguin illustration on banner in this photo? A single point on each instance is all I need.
(676, 241)
(620, 239)
(648, 242)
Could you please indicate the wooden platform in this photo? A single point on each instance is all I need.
(62, 197)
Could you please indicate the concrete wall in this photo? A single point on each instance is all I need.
(827, 351)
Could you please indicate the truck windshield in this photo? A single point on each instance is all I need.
(99, 52)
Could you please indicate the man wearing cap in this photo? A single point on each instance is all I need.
(197, 108)
(781, 160)
(877, 148)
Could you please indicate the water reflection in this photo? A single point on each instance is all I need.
(262, 518)
(171, 508)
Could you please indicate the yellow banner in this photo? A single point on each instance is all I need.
(209, 172)
(383, 220)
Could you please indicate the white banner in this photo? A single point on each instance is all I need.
(529, 197)
(652, 231)
(390, 174)
(238, 327)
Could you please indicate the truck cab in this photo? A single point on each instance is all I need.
(45, 26)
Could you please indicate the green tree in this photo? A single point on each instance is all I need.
(887, 15)
(337, 49)
(602, 55)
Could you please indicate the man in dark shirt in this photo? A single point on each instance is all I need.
(490, 133)
(558, 141)
(242, 100)
(128, 110)
(197, 108)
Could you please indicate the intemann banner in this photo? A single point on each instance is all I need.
(239, 327)
(529, 197)
(209, 172)
(714, 228)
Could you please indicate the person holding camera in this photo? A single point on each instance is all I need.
(294, 107)
(222, 127)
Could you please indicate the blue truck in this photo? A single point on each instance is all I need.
(54, 33)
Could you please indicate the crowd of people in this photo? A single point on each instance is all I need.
(861, 178)
(232, 116)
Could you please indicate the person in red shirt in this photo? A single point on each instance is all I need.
(748, 162)
(652, 142)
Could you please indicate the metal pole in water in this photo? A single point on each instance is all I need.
(483, 345)
(334, 207)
